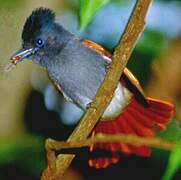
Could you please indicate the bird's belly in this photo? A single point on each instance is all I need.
(120, 100)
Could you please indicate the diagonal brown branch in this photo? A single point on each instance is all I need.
(57, 167)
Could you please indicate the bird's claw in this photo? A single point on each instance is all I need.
(107, 66)
(89, 105)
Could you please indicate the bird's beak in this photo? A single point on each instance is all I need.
(22, 55)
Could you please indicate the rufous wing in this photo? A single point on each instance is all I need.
(127, 78)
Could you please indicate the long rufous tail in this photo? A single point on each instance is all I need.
(135, 119)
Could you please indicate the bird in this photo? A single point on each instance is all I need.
(77, 67)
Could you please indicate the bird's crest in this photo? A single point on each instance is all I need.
(34, 23)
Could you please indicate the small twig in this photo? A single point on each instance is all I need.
(116, 138)
(105, 92)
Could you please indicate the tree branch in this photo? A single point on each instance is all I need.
(114, 138)
(105, 92)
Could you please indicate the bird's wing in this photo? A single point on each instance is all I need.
(127, 78)
(59, 89)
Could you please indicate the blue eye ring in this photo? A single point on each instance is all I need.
(39, 43)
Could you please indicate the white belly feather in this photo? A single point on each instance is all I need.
(119, 101)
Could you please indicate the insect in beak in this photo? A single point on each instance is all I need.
(22, 55)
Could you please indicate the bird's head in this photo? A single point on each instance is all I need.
(42, 38)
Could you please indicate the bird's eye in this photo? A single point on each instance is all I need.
(39, 43)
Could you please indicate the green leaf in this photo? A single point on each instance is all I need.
(173, 131)
(174, 162)
(27, 152)
(88, 9)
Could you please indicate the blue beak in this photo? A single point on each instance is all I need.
(23, 54)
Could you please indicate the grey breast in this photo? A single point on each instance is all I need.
(79, 71)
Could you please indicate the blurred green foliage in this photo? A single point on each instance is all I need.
(152, 42)
(27, 151)
(172, 133)
(174, 162)
(88, 9)
(147, 49)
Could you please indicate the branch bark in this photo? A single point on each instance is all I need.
(56, 170)
(115, 138)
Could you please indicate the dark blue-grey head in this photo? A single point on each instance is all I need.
(42, 37)
(39, 19)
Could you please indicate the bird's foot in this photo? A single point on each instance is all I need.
(89, 105)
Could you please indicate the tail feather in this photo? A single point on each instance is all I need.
(128, 129)
(144, 120)
(152, 111)
(159, 104)
(135, 119)
(142, 151)
(138, 128)
(103, 162)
